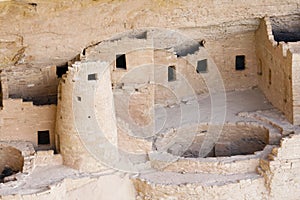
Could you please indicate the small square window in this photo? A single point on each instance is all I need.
(171, 73)
(202, 66)
(92, 77)
(240, 62)
(43, 137)
(121, 61)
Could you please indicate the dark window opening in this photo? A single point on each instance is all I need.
(270, 77)
(121, 61)
(259, 67)
(240, 62)
(78, 98)
(202, 66)
(202, 43)
(285, 93)
(43, 138)
(61, 70)
(33, 4)
(171, 73)
(92, 77)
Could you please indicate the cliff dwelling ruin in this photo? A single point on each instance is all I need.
(150, 99)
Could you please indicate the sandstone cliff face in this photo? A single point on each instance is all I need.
(36, 36)
(42, 33)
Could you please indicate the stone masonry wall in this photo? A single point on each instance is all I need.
(243, 189)
(85, 108)
(92, 188)
(296, 86)
(223, 52)
(279, 179)
(18, 153)
(11, 157)
(219, 51)
(47, 158)
(282, 170)
(22, 121)
(32, 84)
(275, 75)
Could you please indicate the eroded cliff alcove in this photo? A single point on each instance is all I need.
(159, 99)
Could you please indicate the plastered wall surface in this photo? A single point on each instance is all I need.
(97, 104)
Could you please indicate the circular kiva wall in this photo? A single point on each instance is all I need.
(11, 161)
(237, 150)
(235, 139)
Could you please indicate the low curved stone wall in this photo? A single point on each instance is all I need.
(252, 187)
(11, 158)
(20, 153)
(218, 165)
(182, 156)
(234, 139)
